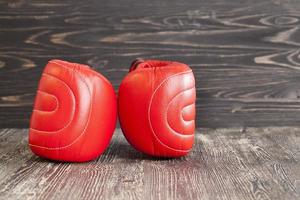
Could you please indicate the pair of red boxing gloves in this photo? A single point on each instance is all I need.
(75, 110)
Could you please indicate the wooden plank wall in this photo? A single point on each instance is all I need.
(245, 54)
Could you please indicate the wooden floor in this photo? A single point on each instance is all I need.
(255, 163)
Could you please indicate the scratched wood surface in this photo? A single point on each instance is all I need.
(254, 163)
(245, 54)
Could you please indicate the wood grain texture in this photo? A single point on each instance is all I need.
(245, 54)
(254, 163)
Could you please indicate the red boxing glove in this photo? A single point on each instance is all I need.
(157, 107)
(74, 113)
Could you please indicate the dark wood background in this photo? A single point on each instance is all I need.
(246, 59)
(245, 54)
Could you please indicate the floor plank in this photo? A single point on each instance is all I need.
(254, 163)
(245, 54)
